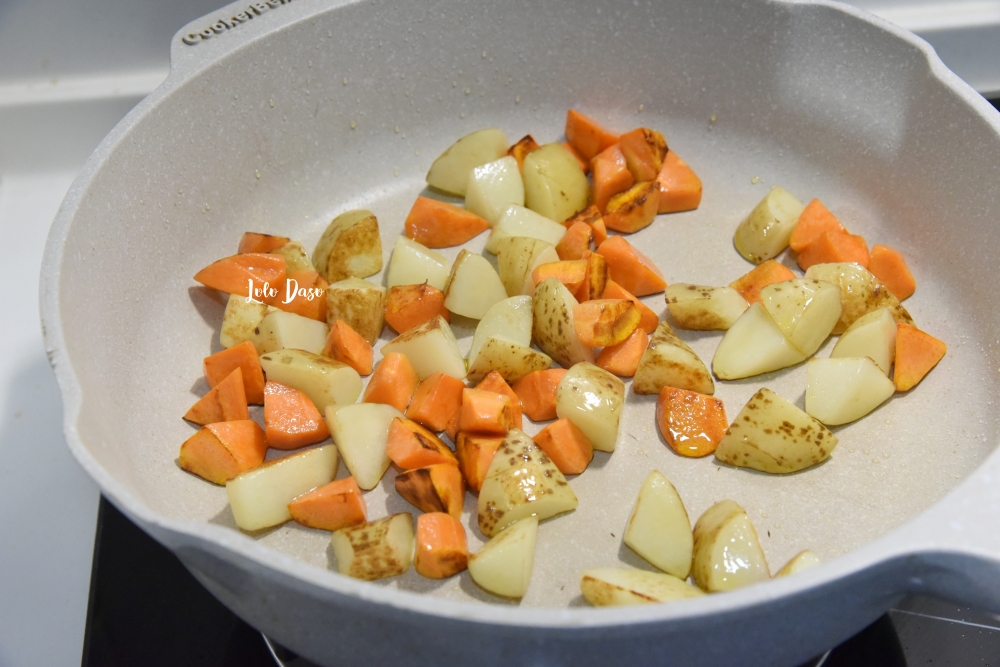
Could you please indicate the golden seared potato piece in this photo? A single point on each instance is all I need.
(521, 482)
(360, 304)
(634, 209)
(704, 308)
(670, 362)
(431, 347)
(509, 319)
(592, 399)
(860, 293)
(772, 435)
(325, 381)
(350, 247)
(493, 187)
(259, 498)
(240, 319)
(361, 431)
(517, 257)
(503, 565)
(552, 324)
(413, 263)
(754, 344)
(659, 529)
(727, 552)
(375, 550)
(554, 184)
(619, 587)
(502, 342)
(296, 257)
(450, 171)
(520, 221)
(800, 561)
(765, 232)
(844, 389)
(473, 286)
(280, 330)
(872, 335)
(805, 310)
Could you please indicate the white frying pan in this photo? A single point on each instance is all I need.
(277, 116)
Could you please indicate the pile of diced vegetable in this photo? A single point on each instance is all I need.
(300, 328)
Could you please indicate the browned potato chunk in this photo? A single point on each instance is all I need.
(350, 246)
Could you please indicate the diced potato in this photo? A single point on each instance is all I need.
(493, 187)
(413, 263)
(619, 587)
(360, 304)
(704, 308)
(592, 399)
(516, 257)
(503, 565)
(860, 293)
(772, 435)
(765, 232)
(872, 335)
(670, 362)
(554, 183)
(240, 319)
(754, 345)
(805, 310)
(375, 550)
(659, 529)
(509, 319)
(259, 498)
(431, 347)
(450, 171)
(326, 382)
(350, 247)
(279, 330)
(296, 257)
(510, 360)
(727, 552)
(520, 221)
(841, 390)
(799, 562)
(546, 256)
(521, 482)
(360, 431)
(552, 324)
(473, 286)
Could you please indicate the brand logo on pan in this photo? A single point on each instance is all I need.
(222, 25)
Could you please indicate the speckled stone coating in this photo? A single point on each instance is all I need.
(284, 121)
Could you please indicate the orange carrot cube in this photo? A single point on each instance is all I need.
(442, 548)
(393, 382)
(566, 445)
(753, 281)
(291, 420)
(436, 488)
(917, 352)
(227, 401)
(475, 454)
(242, 356)
(436, 401)
(332, 506)
(220, 452)
(410, 446)
(537, 393)
(692, 424)
(888, 265)
(406, 306)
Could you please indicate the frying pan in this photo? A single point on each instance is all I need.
(275, 117)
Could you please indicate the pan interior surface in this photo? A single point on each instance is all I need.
(348, 109)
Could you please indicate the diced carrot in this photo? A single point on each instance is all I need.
(610, 175)
(347, 346)
(597, 278)
(393, 382)
(332, 506)
(254, 275)
(435, 488)
(242, 356)
(451, 430)
(520, 150)
(257, 242)
(566, 445)
(623, 359)
(887, 264)
(575, 241)
(291, 420)
(630, 268)
(692, 424)
(602, 322)
(834, 247)
(494, 382)
(634, 209)
(600, 232)
(644, 150)
(813, 221)
(537, 393)
(584, 164)
(475, 454)
(648, 321)
(572, 273)
(680, 187)
(917, 352)
(410, 446)
(442, 548)
(589, 215)
(308, 291)
(406, 306)
(485, 412)
(436, 401)
(586, 135)
(227, 401)
(766, 273)
(220, 452)
(438, 224)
